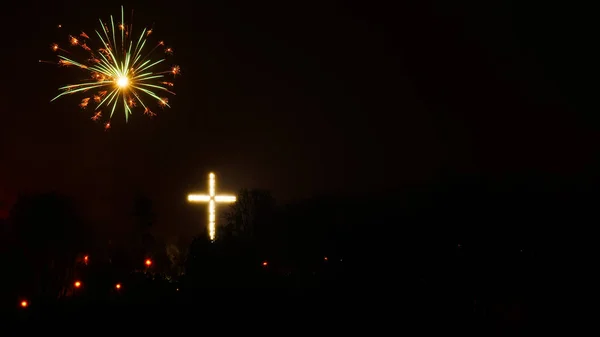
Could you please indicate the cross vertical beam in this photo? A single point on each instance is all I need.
(212, 199)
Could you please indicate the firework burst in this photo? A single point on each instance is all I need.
(121, 72)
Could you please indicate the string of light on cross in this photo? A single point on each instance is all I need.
(212, 200)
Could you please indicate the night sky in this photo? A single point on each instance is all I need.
(300, 98)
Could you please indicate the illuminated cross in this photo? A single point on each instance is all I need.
(212, 200)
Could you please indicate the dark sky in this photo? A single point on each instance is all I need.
(302, 98)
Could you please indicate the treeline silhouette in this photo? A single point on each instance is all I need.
(467, 244)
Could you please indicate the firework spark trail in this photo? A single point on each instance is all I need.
(121, 71)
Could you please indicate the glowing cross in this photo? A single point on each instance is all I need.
(212, 199)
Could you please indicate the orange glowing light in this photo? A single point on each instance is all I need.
(264, 263)
(325, 258)
(24, 304)
(118, 286)
(148, 262)
(77, 284)
(86, 258)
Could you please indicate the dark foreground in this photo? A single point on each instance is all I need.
(479, 294)
(418, 305)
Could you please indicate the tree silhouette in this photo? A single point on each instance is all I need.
(310, 226)
(176, 258)
(143, 212)
(48, 235)
(145, 217)
(252, 214)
